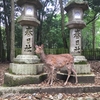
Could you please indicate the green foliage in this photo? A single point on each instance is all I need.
(97, 36)
(18, 34)
(87, 37)
(91, 54)
(17, 51)
(50, 29)
(52, 34)
(96, 2)
(56, 51)
(10, 71)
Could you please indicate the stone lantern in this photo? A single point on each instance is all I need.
(27, 63)
(75, 10)
(29, 21)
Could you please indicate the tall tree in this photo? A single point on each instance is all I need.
(90, 17)
(7, 20)
(93, 33)
(63, 24)
(0, 37)
(12, 53)
(45, 14)
(2, 51)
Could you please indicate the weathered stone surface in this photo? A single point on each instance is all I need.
(79, 59)
(32, 2)
(82, 78)
(56, 89)
(14, 80)
(26, 59)
(25, 20)
(26, 69)
(76, 3)
(75, 10)
(80, 69)
(27, 43)
(76, 24)
(75, 42)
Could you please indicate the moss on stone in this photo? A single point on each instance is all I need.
(11, 81)
(81, 62)
(10, 71)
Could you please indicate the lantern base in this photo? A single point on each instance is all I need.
(27, 59)
(26, 69)
(80, 60)
(82, 78)
(80, 69)
(16, 80)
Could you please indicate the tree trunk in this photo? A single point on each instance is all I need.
(12, 53)
(93, 33)
(39, 36)
(6, 19)
(0, 39)
(62, 24)
(2, 51)
(41, 15)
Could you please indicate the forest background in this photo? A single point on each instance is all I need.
(52, 31)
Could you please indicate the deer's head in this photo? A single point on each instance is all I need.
(39, 49)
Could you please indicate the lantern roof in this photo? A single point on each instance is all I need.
(77, 4)
(31, 2)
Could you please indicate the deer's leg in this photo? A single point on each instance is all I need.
(49, 75)
(68, 66)
(52, 75)
(75, 73)
(69, 73)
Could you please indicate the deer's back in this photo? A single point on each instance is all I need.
(68, 56)
(57, 60)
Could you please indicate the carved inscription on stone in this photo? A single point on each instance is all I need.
(77, 37)
(75, 43)
(29, 31)
(27, 39)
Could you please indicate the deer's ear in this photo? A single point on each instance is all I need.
(42, 45)
(36, 46)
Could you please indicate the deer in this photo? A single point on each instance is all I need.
(56, 61)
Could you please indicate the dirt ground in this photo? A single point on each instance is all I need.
(95, 67)
(3, 67)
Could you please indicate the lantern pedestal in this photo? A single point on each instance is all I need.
(26, 65)
(82, 78)
(26, 68)
(16, 80)
(80, 59)
(75, 10)
(27, 59)
(84, 74)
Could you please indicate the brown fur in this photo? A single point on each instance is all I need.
(56, 61)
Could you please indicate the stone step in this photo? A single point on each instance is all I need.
(82, 78)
